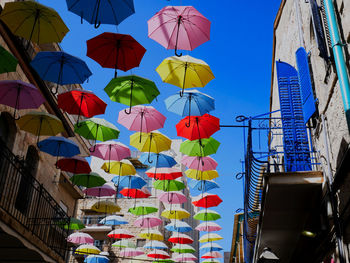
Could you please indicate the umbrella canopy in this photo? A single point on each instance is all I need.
(155, 245)
(113, 220)
(71, 224)
(110, 151)
(158, 254)
(204, 163)
(122, 168)
(185, 257)
(176, 213)
(211, 261)
(179, 27)
(172, 197)
(183, 248)
(124, 243)
(131, 91)
(190, 102)
(120, 234)
(211, 247)
(60, 67)
(212, 254)
(201, 147)
(202, 175)
(164, 173)
(138, 259)
(34, 22)
(179, 238)
(8, 63)
(207, 200)
(152, 235)
(158, 160)
(88, 180)
(129, 181)
(185, 72)
(131, 252)
(96, 259)
(19, 95)
(106, 207)
(134, 193)
(87, 250)
(79, 238)
(75, 165)
(210, 237)
(100, 191)
(203, 185)
(150, 142)
(102, 11)
(148, 221)
(143, 209)
(208, 227)
(117, 51)
(207, 215)
(169, 185)
(178, 226)
(59, 146)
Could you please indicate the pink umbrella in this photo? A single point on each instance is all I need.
(148, 221)
(131, 252)
(179, 27)
(110, 151)
(208, 227)
(79, 238)
(185, 257)
(173, 197)
(104, 190)
(212, 254)
(199, 163)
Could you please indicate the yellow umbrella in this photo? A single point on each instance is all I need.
(185, 72)
(87, 250)
(152, 235)
(40, 123)
(122, 168)
(34, 22)
(202, 175)
(154, 142)
(107, 207)
(210, 237)
(176, 213)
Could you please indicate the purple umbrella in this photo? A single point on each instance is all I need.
(148, 221)
(104, 190)
(20, 95)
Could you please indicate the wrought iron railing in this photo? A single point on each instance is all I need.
(30, 204)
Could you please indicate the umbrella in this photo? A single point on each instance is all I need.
(203, 185)
(176, 213)
(131, 252)
(191, 102)
(19, 95)
(185, 72)
(207, 215)
(139, 259)
(122, 168)
(117, 51)
(210, 237)
(110, 151)
(96, 259)
(179, 27)
(198, 127)
(169, 185)
(211, 261)
(106, 207)
(204, 163)
(75, 165)
(164, 173)
(202, 175)
(8, 63)
(40, 123)
(185, 257)
(120, 234)
(182, 248)
(172, 197)
(71, 224)
(34, 22)
(100, 191)
(147, 221)
(124, 243)
(87, 250)
(155, 245)
(131, 91)
(208, 227)
(88, 180)
(211, 247)
(80, 238)
(81, 103)
(179, 238)
(152, 235)
(113, 220)
(143, 209)
(158, 160)
(178, 226)
(201, 147)
(134, 193)
(158, 254)
(212, 254)
(129, 181)
(102, 11)
(207, 200)
(61, 68)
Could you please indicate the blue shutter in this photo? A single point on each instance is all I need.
(295, 140)
(307, 95)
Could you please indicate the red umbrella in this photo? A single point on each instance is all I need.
(198, 127)
(164, 173)
(75, 165)
(134, 193)
(116, 51)
(178, 238)
(120, 234)
(158, 254)
(81, 103)
(207, 200)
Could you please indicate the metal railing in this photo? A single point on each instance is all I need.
(30, 204)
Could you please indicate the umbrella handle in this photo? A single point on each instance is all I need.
(93, 148)
(177, 35)
(189, 122)
(177, 54)
(189, 112)
(16, 116)
(54, 90)
(97, 24)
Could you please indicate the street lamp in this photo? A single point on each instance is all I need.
(267, 256)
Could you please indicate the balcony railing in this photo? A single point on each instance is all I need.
(30, 204)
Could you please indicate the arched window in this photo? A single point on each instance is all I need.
(8, 129)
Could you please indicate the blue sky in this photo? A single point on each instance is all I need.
(239, 54)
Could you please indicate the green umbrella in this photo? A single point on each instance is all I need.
(8, 63)
(142, 209)
(163, 261)
(88, 180)
(201, 147)
(124, 244)
(207, 215)
(169, 185)
(71, 224)
(132, 90)
(183, 248)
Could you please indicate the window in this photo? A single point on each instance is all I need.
(64, 207)
(7, 129)
(99, 244)
(140, 242)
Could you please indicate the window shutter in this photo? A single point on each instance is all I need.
(295, 140)
(307, 95)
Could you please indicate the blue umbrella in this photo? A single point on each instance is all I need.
(96, 259)
(129, 181)
(209, 247)
(203, 185)
(102, 11)
(192, 103)
(178, 226)
(155, 245)
(61, 68)
(158, 160)
(113, 221)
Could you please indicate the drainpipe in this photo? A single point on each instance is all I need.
(339, 59)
